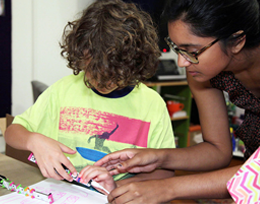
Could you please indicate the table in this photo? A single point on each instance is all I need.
(18, 172)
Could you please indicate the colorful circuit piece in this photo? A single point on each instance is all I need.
(9, 185)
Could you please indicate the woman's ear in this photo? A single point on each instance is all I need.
(239, 41)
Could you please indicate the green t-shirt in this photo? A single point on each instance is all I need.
(76, 116)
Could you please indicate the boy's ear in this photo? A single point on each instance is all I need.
(239, 42)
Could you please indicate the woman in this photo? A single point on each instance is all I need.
(218, 44)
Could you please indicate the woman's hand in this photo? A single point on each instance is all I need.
(50, 156)
(132, 160)
(152, 191)
(98, 174)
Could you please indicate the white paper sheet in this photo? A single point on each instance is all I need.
(63, 193)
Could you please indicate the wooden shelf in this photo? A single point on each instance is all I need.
(179, 91)
(168, 83)
(180, 118)
(238, 154)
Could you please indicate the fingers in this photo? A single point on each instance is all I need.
(66, 164)
(109, 160)
(50, 173)
(71, 170)
(139, 192)
(66, 149)
(56, 166)
(120, 195)
(50, 162)
(101, 179)
(113, 162)
(55, 170)
(90, 172)
(86, 174)
(62, 173)
(130, 165)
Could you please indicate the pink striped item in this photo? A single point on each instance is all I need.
(244, 186)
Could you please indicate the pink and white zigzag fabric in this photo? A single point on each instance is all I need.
(244, 186)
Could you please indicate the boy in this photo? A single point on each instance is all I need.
(103, 107)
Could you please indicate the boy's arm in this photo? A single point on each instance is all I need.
(18, 137)
(49, 152)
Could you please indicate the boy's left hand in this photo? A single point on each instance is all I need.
(98, 174)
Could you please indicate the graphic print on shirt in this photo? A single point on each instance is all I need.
(103, 126)
(99, 140)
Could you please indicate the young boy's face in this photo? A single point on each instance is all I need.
(94, 83)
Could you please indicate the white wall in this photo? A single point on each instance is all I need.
(37, 26)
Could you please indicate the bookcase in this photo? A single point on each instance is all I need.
(181, 93)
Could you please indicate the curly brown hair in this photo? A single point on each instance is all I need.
(114, 41)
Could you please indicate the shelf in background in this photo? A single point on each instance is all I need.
(176, 90)
(238, 154)
(180, 118)
(166, 83)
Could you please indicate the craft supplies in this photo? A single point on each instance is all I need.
(9, 185)
(75, 178)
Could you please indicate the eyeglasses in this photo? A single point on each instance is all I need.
(190, 56)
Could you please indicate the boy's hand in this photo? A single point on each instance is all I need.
(50, 156)
(98, 174)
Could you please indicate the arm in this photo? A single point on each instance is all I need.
(154, 175)
(215, 152)
(208, 185)
(49, 152)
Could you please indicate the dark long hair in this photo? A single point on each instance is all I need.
(218, 18)
(113, 41)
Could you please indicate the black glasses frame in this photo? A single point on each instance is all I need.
(190, 56)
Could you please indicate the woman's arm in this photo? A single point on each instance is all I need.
(214, 153)
(197, 186)
(154, 175)
(216, 150)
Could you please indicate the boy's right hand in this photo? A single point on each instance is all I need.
(100, 175)
(50, 156)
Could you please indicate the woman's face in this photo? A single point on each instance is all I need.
(211, 62)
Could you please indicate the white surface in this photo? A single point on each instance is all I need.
(37, 27)
(62, 193)
(198, 138)
(238, 154)
(2, 144)
(179, 114)
(172, 77)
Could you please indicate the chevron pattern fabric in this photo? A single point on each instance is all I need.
(244, 186)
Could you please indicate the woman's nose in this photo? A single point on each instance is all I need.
(182, 62)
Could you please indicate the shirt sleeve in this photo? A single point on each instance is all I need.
(162, 135)
(42, 116)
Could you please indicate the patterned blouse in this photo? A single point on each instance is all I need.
(249, 130)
